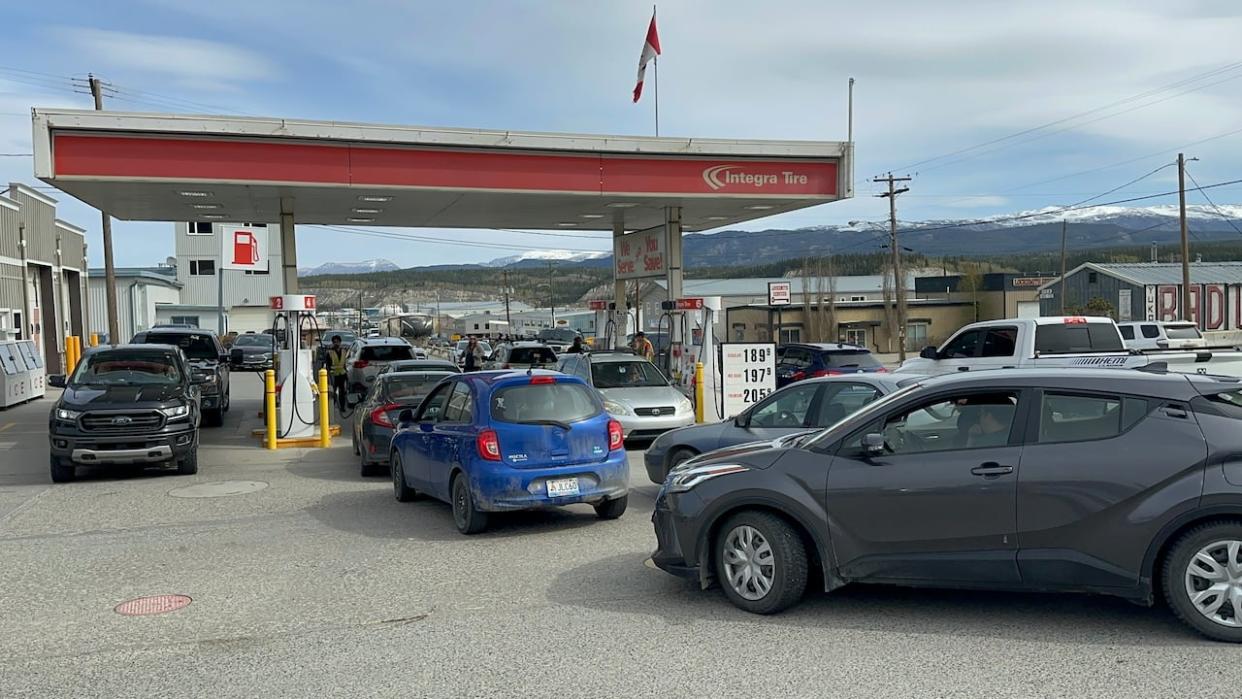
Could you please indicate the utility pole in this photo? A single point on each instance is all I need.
(1064, 225)
(898, 278)
(114, 331)
(551, 298)
(508, 320)
(1181, 203)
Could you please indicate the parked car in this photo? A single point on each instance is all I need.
(422, 365)
(368, 357)
(558, 339)
(496, 441)
(253, 352)
(635, 391)
(375, 418)
(807, 405)
(1159, 335)
(459, 350)
(420, 353)
(1055, 341)
(125, 404)
(209, 366)
(798, 361)
(521, 355)
(1107, 481)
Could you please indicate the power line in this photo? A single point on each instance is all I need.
(409, 237)
(1213, 204)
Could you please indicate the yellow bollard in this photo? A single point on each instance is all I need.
(94, 339)
(325, 430)
(69, 363)
(698, 393)
(269, 397)
(77, 350)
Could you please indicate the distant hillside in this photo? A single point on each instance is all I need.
(348, 268)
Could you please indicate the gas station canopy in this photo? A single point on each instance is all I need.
(167, 167)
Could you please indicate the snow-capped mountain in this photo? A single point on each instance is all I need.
(544, 256)
(363, 267)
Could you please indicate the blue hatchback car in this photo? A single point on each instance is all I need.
(495, 441)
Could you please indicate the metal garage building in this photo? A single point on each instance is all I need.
(1152, 291)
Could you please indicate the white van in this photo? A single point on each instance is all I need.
(1158, 335)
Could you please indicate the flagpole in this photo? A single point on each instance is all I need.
(656, 61)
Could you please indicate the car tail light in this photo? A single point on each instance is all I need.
(543, 379)
(881, 370)
(616, 436)
(826, 372)
(798, 375)
(361, 364)
(379, 416)
(506, 366)
(489, 445)
(1075, 320)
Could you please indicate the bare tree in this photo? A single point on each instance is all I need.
(819, 303)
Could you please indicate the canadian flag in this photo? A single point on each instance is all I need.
(651, 49)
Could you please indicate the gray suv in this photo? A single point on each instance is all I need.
(370, 356)
(1125, 483)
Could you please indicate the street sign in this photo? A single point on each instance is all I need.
(243, 248)
(749, 371)
(689, 304)
(779, 293)
(597, 305)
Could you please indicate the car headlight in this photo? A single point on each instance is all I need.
(684, 478)
(617, 408)
(685, 406)
(68, 415)
(176, 412)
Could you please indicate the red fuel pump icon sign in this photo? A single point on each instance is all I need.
(245, 248)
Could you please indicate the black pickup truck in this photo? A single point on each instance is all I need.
(209, 365)
(125, 404)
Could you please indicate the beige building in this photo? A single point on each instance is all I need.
(862, 323)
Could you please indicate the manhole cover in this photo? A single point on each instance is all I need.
(155, 604)
(219, 489)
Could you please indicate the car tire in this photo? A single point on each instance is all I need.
(228, 402)
(612, 509)
(213, 418)
(402, 491)
(1185, 571)
(366, 468)
(189, 465)
(765, 588)
(677, 457)
(63, 471)
(353, 438)
(467, 518)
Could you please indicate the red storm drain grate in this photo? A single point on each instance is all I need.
(155, 604)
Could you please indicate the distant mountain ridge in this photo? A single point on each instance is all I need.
(364, 267)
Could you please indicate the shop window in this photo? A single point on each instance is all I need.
(202, 268)
(198, 228)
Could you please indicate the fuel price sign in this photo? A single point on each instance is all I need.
(749, 373)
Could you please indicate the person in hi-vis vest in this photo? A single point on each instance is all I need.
(336, 371)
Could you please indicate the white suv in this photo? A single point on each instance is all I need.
(1158, 335)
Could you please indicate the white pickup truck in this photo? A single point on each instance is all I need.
(1057, 341)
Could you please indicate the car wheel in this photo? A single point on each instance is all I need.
(468, 518)
(1203, 580)
(612, 509)
(189, 465)
(213, 418)
(403, 492)
(678, 457)
(365, 467)
(62, 471)
(228, 402)
(353, 438)
(761, 562)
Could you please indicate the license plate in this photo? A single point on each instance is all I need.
(562, 486)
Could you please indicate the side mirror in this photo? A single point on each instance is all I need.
(405, 417)
(228, 356)
(235, 356)
(426, 426)
(742, 420)
(929, 352)
(56, 380)
(873, 444)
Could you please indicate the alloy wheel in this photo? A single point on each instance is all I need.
(398, 476)
(749, 563)
(1214, 582)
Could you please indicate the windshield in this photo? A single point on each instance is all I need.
(532, 355)
(127, 369)
(386, 353)
(195, 346)
(423, 365)
(557, 334)
(1182, 332)
(632, 374)
(534, 403)
(870, 409)
(253, 341)
(411, 387)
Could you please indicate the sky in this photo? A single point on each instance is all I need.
(991, 107)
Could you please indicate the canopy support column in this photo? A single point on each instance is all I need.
(288, 247)
(620, 315)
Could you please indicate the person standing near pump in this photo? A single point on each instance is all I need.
(473, 355)
(576, 347)
(643, 347)
(336, 372)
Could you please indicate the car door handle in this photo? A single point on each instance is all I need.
(963, 368)
(991, 468)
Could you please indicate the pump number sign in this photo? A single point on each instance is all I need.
(749, 371)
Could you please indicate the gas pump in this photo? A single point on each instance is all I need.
(295, 416)
(695, 319)
(609, 333)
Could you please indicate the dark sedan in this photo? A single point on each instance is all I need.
(375, 418)
(253, 352)
(422, 365)
(800, 361)
(1118, 482)
(806, 405)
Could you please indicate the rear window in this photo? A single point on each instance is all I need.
(1067, 338)
(201, 347)
(532, 355)
(386, 353)
(560, 401)
(850, 360)
(1182, 332)
(1127, 332)
(411, 387)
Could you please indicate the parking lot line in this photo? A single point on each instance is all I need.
(7, 426)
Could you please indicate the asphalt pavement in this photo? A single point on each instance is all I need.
(309, 580)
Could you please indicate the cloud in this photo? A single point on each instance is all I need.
(199, 63)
